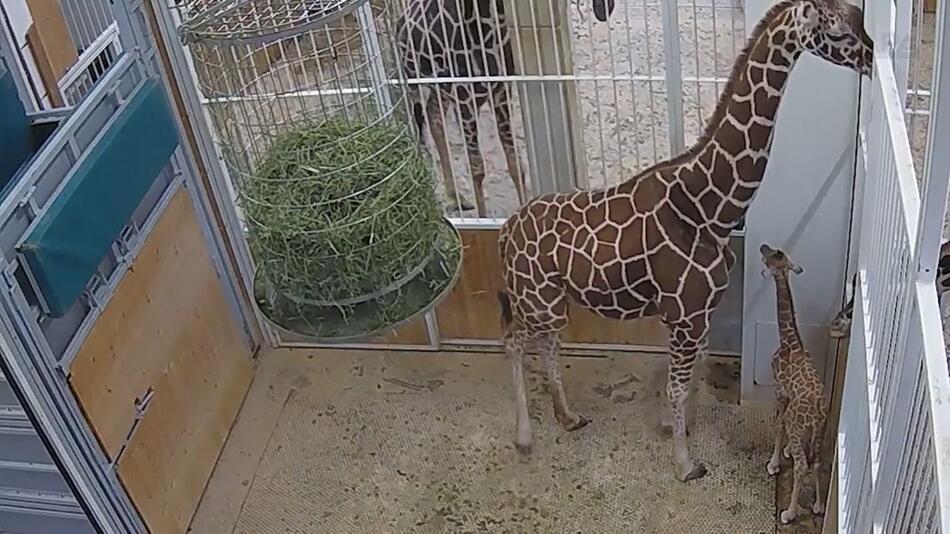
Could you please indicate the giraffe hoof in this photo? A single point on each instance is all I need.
(787, 516)
(523, 448)
(461, 203)
(577, 424)
(773, 467)
(818, 508)
(698, 471)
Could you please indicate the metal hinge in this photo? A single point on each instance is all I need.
(141, 406)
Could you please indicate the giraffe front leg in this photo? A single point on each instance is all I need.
(469, 115)
(435, 112)
(568, 419)
(505, 135)
(683, 355)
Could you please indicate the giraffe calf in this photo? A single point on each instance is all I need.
(801, 410)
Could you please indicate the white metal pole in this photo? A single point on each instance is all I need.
(674, 76)
(937, 165)
(370, 37)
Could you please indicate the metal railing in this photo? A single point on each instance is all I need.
(94, 61)
(894, 435)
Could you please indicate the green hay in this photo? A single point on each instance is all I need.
(359, 321)
(341, 211)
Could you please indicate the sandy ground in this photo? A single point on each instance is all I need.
(350, 442)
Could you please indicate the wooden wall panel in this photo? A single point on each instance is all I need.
(167, 329)
(585, 327)
(412, 333)
(471, 310)
(51, 44)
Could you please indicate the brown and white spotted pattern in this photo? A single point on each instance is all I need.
(841, 325)
(658, 243)
(801, 408)
(458, 39)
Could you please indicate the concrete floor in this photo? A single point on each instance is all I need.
(351, 442)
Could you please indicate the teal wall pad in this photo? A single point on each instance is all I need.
(72, 237)
(15, 134)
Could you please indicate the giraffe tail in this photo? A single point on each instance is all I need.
(506, 315)
(420, 118)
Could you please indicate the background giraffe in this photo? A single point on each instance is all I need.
(841, 325)
(801, 410)
(464, 38)
(658, 243)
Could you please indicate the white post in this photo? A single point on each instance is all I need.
(542, 46)
(369, 34)
(674, 76)
(805, 207)
(937, 167)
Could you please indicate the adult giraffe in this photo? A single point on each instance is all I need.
(658, 243)
(459, 39)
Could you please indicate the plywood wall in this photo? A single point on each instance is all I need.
(168, 330)
(51, 45)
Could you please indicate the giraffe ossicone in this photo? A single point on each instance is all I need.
(657, 244)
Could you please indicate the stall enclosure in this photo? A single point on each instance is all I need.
(127, 343)
(575, 85)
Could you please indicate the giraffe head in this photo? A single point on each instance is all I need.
(777, 262)
(834, 31)
(603, 9)
(841, 325)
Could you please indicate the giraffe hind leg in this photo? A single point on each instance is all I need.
(801, 470)
(570, 421)
(515, 350)
(686, 344)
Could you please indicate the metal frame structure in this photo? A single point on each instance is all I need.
(38, 350)
(672, 78)
(893, 441)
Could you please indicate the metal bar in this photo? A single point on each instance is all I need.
(106, 39)
(61, 423)
(221, 192)
(674, 76)
(368, 34)
(937, 165)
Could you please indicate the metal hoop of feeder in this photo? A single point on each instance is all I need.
(311, 114)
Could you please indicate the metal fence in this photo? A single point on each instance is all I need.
(590, 103)
(91, 65)
(598, 91)
(894, 436)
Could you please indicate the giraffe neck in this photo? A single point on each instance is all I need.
(787, 325)
(729, 161)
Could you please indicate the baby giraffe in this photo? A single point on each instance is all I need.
(800, 392)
